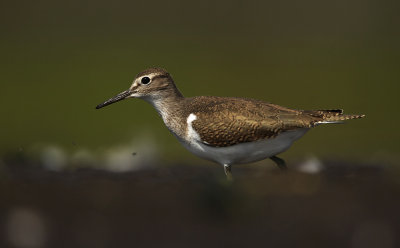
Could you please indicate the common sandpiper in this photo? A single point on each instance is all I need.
(226, 130)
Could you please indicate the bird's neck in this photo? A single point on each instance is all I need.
(169, 106)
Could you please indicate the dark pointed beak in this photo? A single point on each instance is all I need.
(117, 98)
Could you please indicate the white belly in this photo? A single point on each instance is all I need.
(245, 152)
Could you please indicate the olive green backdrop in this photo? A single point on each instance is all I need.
(59, 59)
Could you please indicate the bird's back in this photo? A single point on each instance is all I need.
(226, 121)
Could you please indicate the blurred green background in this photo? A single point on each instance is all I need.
(59, 59)
(58, 155)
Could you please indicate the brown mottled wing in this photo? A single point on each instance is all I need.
(228, 121)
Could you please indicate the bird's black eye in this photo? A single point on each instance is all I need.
(145, 80)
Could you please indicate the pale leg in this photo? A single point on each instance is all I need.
(228, 172)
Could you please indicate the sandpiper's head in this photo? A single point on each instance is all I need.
(150, 84)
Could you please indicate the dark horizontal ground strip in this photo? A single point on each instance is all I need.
(193, 206)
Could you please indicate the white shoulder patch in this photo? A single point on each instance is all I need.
(191, 118)
(191, 134)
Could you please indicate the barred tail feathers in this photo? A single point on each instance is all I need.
(340, 118)
(333, 116)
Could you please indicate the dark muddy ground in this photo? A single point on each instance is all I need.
(344, 205)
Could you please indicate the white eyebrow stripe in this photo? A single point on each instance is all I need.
(151, 76)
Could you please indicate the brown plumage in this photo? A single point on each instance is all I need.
(224, 129)
(226, 121)
(223, 121)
